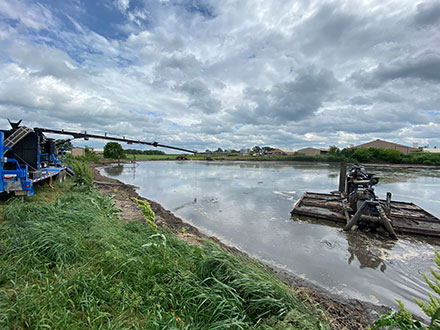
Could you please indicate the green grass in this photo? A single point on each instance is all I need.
(67, 261)
(152, 157)
(371, 155)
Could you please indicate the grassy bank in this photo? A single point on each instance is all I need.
(68, 261)
(362, 155)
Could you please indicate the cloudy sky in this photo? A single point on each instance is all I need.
(206, 74)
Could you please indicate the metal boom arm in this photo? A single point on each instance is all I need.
(85, 135)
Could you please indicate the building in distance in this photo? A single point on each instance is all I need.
(312, 151)
(388, 145)
(432, 150)
(283, 152)
(77, 151)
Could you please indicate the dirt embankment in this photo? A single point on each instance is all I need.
(342, 313)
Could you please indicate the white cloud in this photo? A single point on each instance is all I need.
(32, 15)
(205, 74)
(122, 5)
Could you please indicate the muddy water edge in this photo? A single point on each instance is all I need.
(247, 204)
(342, 312)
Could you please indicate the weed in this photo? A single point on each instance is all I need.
(83, 177)
(148, 213)
(70, 263)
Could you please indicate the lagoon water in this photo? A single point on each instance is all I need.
(248, 204)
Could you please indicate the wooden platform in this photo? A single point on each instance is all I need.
(407, 218)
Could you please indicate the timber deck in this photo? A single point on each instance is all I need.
(407, 218)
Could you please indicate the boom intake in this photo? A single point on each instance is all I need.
(87, 136)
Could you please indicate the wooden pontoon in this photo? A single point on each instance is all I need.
(406, 218)
(356, 205)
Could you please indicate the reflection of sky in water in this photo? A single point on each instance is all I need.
(247, 204)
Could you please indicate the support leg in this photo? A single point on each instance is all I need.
(386, 222)
(356, 217)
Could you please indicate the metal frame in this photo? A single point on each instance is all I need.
(17, 180)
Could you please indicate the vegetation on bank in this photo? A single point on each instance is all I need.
(379, 155)
(350, 155)
(144, 152)
(157, 157)
(362, 155)
(113, 150)
(68, 261)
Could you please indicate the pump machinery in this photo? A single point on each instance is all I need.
(28, 156)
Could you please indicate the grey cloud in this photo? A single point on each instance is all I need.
(425, 66)
(327, 26)
(43, 60)
(168, 42)
(207, 104)
(210, 125)
(200, 7)
(381, 96)
(358, 120)
(361, 100)
(388, 97)
(200, 96)
(196, 69)
(428, 132)
(194, 88)
(184, 64)
(289, 101)
(428, 13)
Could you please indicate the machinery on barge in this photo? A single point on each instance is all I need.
(356, 205)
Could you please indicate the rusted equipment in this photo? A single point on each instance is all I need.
(358, 206)
(407, 218)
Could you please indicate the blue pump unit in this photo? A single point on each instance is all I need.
(27, 157)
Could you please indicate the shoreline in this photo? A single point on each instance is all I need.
(346, 312)
(299, 162)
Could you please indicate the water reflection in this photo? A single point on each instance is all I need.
(113, 170)
(248, 204)
(368, 249)
(116, 170)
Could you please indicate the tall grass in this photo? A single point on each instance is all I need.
(83, 175)
(71, 263)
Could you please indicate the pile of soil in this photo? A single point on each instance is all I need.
(342, 313)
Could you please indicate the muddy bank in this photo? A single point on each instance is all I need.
(341, 312)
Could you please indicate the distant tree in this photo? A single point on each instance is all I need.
(267, 149)
(143, 152)
(256, 149)
(219, 150)
(88, 150)
(113, 150)
(333, 150)
(361, 154)
(153, 152)
(63, 145)
(90, 154)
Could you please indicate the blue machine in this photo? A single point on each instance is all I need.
(27, 157)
